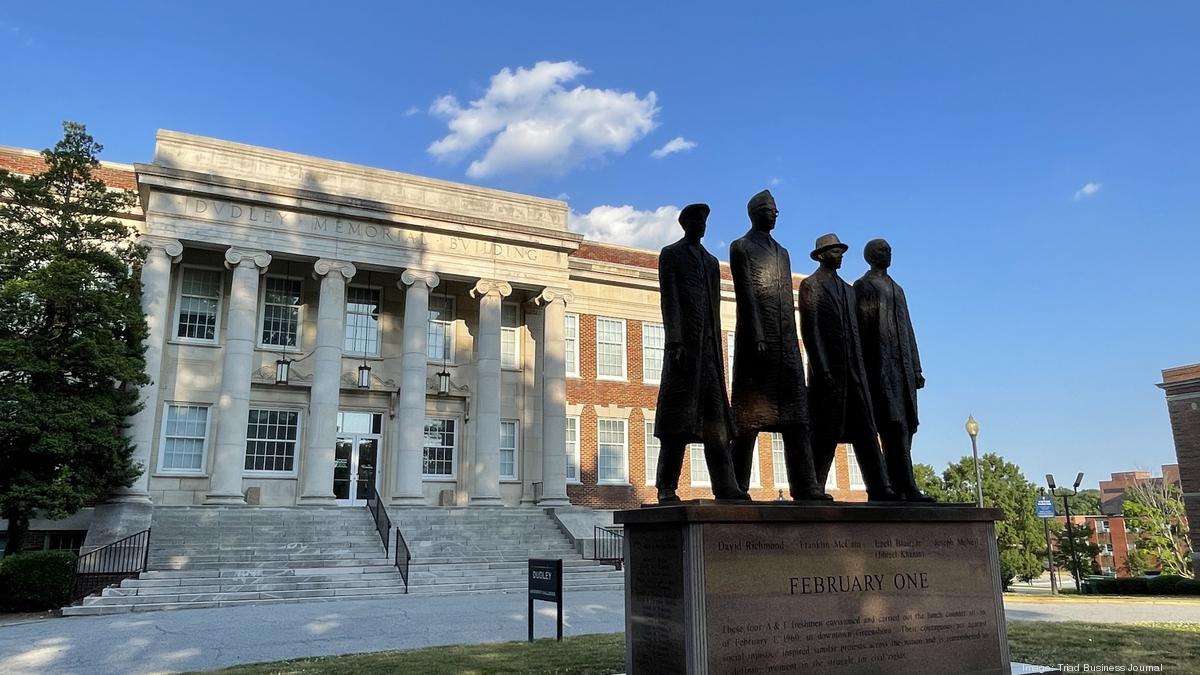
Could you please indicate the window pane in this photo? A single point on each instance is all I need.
(652, 448)
(510, 343)
(281, 311)
(571, 337)
(271, 440)
(183, 438)
(362, 320)
(778, 461)
(610, 460)
(438, 457)
(856, 477)
(572, 429)
(508, 449)
(610, 348)
(653, 342)
(831, 481)
(699, 466)
(439, 345)
(199, 303)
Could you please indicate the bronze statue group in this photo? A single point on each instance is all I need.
(864, 371)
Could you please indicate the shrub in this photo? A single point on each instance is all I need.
(1131, 586)
(1164, 584)
(1105, 586)
(30, 582)
(1188, 587)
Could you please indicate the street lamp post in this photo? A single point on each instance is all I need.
(973, 432)
(1070, 529)
(1049, 550)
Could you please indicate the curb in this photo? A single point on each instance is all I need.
(1108, 600)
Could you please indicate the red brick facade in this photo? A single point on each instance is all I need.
(29, 162)
(1182, 387)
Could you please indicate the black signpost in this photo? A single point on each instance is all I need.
(545, 583)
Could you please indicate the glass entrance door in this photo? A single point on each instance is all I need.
(356, 457)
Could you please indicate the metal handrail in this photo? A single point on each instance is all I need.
(111, 564)
(402, 545)
(608, 545)
(383, 524)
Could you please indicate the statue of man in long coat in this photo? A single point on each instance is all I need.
(692, 405)
(839, 403)
(769, 393)
(893, 366)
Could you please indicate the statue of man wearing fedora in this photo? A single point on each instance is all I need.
(692, 405)
(769, 393)
(839, 402)
(894, 375)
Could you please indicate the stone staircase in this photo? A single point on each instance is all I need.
(226, 556)
(457, 550)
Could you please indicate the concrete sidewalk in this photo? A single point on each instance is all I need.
(202, 639)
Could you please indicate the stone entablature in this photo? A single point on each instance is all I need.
(204, 155)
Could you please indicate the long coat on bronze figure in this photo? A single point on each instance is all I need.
(690, 282)
(889, 349)
(768, 389)
(830, 329)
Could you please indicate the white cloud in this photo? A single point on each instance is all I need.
(677, 144)
(776, 181)
(528, 121)
(412, 110)
(1087, 191)
(629, 226)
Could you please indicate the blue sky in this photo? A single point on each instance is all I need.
(966, 135)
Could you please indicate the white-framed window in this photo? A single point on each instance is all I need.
(831, 481)
(510, 335)
(362, 320)
(184, 444)
(654, 340)
(653, 447)
(508, 449)
(612, 451)
(198, 307)
(610, 349)
(755, 478)
(571, 338)
(729, 357)
(271, 439)
(778, 461)
(441, 440)
(439, 345)
(282, 298)
(856, 477)
(699, 475)
(572, 431)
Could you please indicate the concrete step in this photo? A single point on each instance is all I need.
(94, 610)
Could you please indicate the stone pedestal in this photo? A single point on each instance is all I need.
(782, 588)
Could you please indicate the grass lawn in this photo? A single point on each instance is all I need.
(1176, 646)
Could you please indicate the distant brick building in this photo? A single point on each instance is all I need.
(1182, 387)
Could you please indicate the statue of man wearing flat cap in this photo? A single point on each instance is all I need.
(839, 402)
(692, 406)
(769, 393)
(893, 366)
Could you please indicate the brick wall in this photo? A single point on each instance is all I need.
(29, 162)
(1182, 387)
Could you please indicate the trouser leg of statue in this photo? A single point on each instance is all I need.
(670, 463)
(897, 452)
(743, 458)
(801, 472)
(823, 452)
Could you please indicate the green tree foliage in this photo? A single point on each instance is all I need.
(1136, 563)
(1074, 552)
(1154, 513)
(1084, 503)
(1020, 536)
(71, 331)
(929, 481)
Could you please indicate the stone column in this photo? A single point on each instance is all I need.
(317, 468)
(237, 364)
(408, 435)
(554, 397)
(486, 487)
(162, 253)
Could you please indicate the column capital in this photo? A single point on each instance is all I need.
(485, 287)
(550, 294)
(235, 256)
(325, 266)
(172, 247)
(411, 276)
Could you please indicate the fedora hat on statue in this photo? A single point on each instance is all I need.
(826, 242)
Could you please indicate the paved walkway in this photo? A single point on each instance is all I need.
(201, 639)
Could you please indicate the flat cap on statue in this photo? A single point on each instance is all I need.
(694, 213)
(761, 199)
(826, 242)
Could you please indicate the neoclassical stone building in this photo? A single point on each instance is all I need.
(321, 329)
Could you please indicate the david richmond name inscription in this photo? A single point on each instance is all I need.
(850, 598)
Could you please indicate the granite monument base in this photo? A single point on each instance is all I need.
(742, 589)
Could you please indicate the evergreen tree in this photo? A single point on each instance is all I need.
(71, 331)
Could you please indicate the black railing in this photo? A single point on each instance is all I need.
(608, 544)
(111, 564)
(383, 524)
(402, 547)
